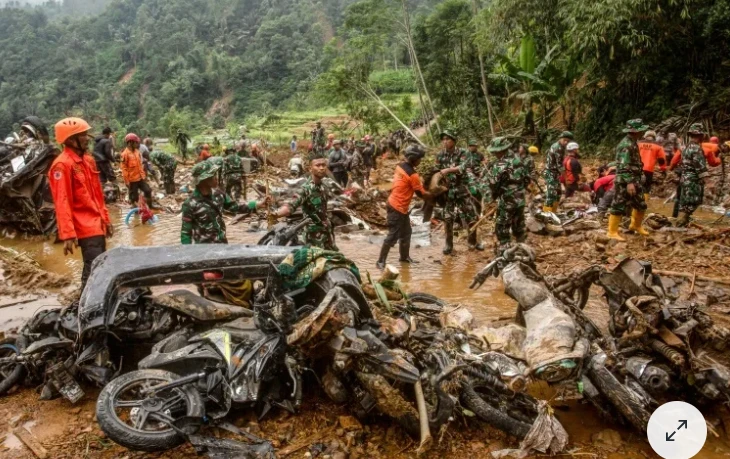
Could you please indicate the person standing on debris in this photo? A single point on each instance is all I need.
(370, 155)
(167, 164)
(406, 183)
(81, 214)
(104, 156)
(357, 165)
(528, 159)
(133, 170)
(629, 191)
(296, 166)
(233, 173)
(651, 155)
(452, 162)
(202, 213)
(712, 152)
(312, 198)
(181, 142)
(293, 144)
(694, 174)
(573, 169)
(551, 174)
(507, 179)
(318, 138)
(671, 146)
(337, 163)
(146, 148)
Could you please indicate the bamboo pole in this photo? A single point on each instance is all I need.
(485, 88)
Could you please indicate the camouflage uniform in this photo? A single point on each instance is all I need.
(313, 200)
(458, 201)
(233, 174)
(694, 170)
(319, 141)
(628, 170)
(358, 169)
(507, 178)
(202, 217)
(167, 164)
(474, 171)
(551, 174)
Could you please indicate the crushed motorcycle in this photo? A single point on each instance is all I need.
(119, 316)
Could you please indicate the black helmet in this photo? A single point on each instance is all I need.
(415, 151)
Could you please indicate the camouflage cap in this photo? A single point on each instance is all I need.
(499, 144)
(205, 170)
(473, 143)
(448, 133)
(635, 125)
(696, 129)
(567, 135)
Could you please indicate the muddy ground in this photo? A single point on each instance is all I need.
(322, 429)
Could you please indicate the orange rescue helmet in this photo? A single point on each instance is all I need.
(331, 136)
(206, 147)
(715, 140)
(69, 127)
(131, 137)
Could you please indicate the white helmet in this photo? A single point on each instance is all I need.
(572, 146)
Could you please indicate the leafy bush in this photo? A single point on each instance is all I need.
(393, 81)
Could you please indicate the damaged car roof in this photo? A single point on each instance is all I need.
(169, 265)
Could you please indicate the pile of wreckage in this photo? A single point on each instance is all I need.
(229, 327)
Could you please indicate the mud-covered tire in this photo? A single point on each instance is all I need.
(137, 439)
(492, 415)
(426, 298)
(12, 374)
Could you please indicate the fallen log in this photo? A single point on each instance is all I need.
(717, 280)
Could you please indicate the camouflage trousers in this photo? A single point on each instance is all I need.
(623, 202)
(357, 176)
(233, 185)
(320, 236)
(168, 178)
(460, 208)
(691, 195)
(552, 188)
(510, 216)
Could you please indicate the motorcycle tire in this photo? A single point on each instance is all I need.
(138, 438)
(620, 397)
(492, 414)
(12, 374)
(426, 298)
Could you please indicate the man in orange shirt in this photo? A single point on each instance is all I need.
(712, 151)
(133, 170)
(204, 154)
(406, 182)
(81, 215)
(651, 154)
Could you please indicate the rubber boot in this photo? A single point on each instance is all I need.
(546, 208)
(637, 218)
(683, 219)
(614, 221)
(646, 197)
(405, 253)
(472, 241)
(554, 208)
(383, 256)
(449, 247)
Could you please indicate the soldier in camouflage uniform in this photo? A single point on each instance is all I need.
(453, 163)
(508, 178)
(167, 164)
(319, 141)
(202, 213)
(629, 191)
(694, 173)
(358, 169)
(553, 170)
(474, 169)
(232, 173)
(313, 199)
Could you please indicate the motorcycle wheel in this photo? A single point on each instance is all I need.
(12, 374)
(124, 416)
(489, 411)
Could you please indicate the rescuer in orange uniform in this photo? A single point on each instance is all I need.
(133, 170)
(81, 215)
(651, 154)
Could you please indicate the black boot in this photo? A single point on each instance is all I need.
(405, 253)
(383, 256)
(449, 247)
(472, 240)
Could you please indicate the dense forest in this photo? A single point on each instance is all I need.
(519, 67)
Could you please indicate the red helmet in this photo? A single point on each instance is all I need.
(131, 137)
(206, 147)
(715, 140)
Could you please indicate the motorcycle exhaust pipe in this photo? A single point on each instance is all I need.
(426, 437)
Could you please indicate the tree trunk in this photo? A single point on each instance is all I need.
(485, 88)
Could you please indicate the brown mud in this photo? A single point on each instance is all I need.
(71, 431)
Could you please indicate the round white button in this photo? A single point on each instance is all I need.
(677, 430)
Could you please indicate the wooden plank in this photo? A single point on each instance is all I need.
(31, 442)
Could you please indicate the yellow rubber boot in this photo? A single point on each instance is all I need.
(646, 197)
(555, 207)
(546, 208)
(614, 221)
(637, 219)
